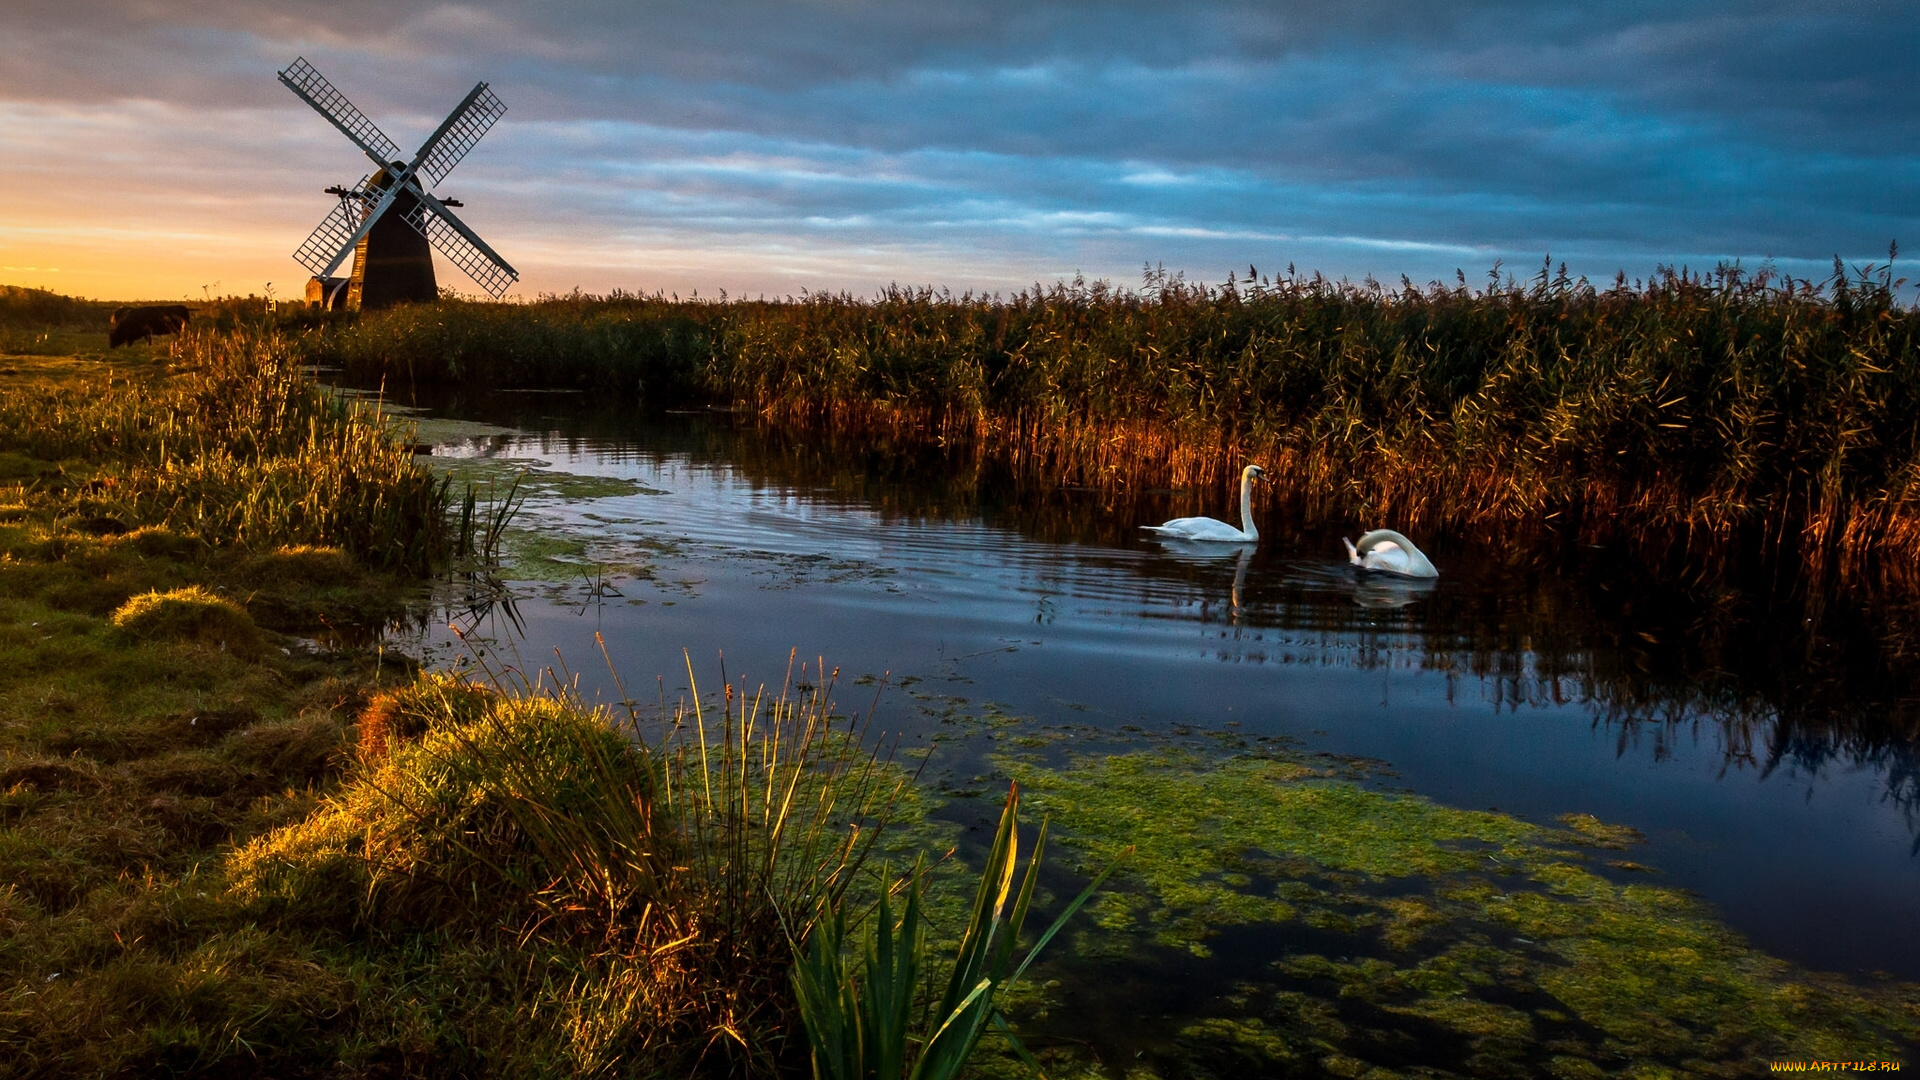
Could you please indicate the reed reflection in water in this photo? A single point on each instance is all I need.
(1765, 743)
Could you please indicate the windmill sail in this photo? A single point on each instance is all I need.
(458, 133)
(461, 246)
(332, 240)
(315, 90)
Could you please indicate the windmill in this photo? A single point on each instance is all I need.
(388, 220)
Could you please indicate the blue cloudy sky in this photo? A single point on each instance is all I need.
(146, 148)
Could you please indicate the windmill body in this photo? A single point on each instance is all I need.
(390, 221)
(392, 263)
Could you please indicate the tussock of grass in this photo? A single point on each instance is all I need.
(406, 713)
(191, 614)
(159, 542)
(638, 898)
(428, 836)
(304, 565)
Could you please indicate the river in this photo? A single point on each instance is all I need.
(1756, 746)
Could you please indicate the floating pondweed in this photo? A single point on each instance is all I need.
(1470, 941)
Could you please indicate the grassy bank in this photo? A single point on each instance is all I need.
(38, 322)
(42, 323)
(235, 840)
(227, 443)
(1711, 414)
(162, 692)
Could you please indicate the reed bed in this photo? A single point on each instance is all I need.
(636, 345)
(236, 446)
(1707, 413)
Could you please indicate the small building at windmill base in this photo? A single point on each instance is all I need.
(327, 292)
(392, 264)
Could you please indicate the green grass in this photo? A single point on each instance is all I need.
(1711, 414)
(223, 438)
(157, 704)
(226, 851)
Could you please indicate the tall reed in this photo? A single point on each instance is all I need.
(1710, 412)
(237, 445)
(635, 345)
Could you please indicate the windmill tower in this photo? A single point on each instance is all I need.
(389, 221)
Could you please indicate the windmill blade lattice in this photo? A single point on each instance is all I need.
(336, 233)
(451, 238)
(303, 79)
(461, 130)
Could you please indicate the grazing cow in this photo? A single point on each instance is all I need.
(131, 324)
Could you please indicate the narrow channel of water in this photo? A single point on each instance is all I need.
(1761, 758)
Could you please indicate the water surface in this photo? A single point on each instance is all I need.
(1758, 746)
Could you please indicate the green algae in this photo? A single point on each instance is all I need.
(1475, 943)
(438, 431)
(1264, 816)
(538, 479)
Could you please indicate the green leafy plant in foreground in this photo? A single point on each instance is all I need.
(860, 1015)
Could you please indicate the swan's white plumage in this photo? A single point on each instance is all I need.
(1213, 529)
(1390, 553)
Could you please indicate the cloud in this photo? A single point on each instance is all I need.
(840, 143)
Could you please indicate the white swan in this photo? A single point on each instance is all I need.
(1206, 528)
(1389, 552)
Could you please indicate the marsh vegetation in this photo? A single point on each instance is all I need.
(236, 841)
(1714, 416)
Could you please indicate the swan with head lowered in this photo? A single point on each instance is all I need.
(1206, 528)
(1390, 553)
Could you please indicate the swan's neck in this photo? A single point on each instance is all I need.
(1246, 507)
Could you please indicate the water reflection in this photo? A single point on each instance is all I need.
(1379, 591)
(1041, 593)
(1787, 681)
(1592, 625)
(1213, 556)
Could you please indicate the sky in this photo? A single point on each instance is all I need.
(773, 148)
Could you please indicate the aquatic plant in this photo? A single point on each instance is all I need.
(863, 1017)
(1469, 941)
(479, 529)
